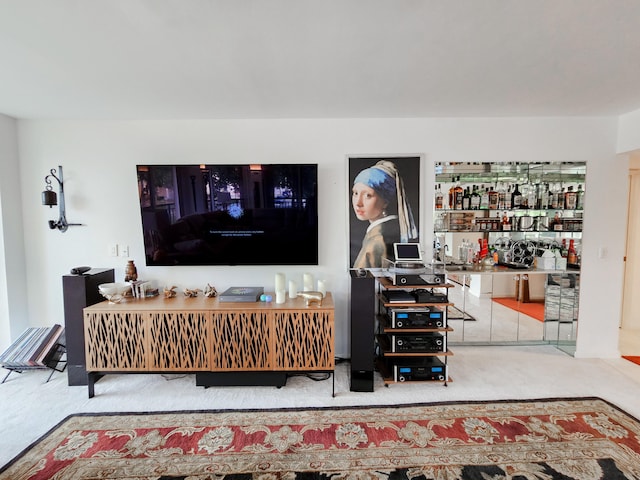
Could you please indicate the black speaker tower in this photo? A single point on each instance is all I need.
(80, 291)
(363, 311)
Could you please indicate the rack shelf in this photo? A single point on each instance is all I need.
(387, 376)
(412, 336)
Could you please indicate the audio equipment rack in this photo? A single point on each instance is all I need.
(411, 338)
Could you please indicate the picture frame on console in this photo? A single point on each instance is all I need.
(384, 206)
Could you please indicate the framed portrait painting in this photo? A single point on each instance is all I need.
(384, 207)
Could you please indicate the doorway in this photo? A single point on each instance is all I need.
(630, 321)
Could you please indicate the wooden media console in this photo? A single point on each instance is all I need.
(253, 343)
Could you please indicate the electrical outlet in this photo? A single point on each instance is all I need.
(124, 250)
(113, 250)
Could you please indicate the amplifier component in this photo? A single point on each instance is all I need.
(429, 296)
(417, 279)
(423, 317)
(428, 369)
(431, 342)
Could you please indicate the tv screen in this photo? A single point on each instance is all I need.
(229, 214)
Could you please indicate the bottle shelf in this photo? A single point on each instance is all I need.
(505, 232)
(510, 210)
(515, 221)
(516, 186)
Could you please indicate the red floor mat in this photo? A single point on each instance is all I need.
(534, 309)
(633, 359)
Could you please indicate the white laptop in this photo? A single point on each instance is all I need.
(407, 253)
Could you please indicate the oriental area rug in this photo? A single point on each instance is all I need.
(545, 439)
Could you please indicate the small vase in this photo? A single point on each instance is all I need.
(130, 272)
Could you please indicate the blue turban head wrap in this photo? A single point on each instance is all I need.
(379, 180)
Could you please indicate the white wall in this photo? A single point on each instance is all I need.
(628, 132)
(13, 299)
(99, 161)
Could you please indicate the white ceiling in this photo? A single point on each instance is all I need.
(171, 59)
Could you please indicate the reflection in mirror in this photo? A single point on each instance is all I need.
(499, 226)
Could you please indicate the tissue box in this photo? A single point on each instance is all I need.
(561, 263)
(546, 263)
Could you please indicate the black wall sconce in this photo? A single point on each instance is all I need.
(50, 198)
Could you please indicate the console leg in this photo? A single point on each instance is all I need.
(333, 386)
(91, 381)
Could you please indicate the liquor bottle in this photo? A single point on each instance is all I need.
(570, 199)
(466, 199)
(506, 223)
(553, 197)
(496, 224)
(580, 198)
(439, 198)
(494, 197)
(484, 198)
(458, 192)
(543, 194)
(502, 195)
(572, 257)
(532, 196)
(507, 199)
(475, 198)
(452, 198)
(516, 198)
(524, 195)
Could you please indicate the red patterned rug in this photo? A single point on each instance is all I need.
(585, 438)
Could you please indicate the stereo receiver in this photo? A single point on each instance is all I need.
(422, 369)
(423, 343)
(424, 317)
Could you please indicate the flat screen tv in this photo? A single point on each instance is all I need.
(229, 214)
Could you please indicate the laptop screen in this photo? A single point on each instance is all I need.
(407, 252)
